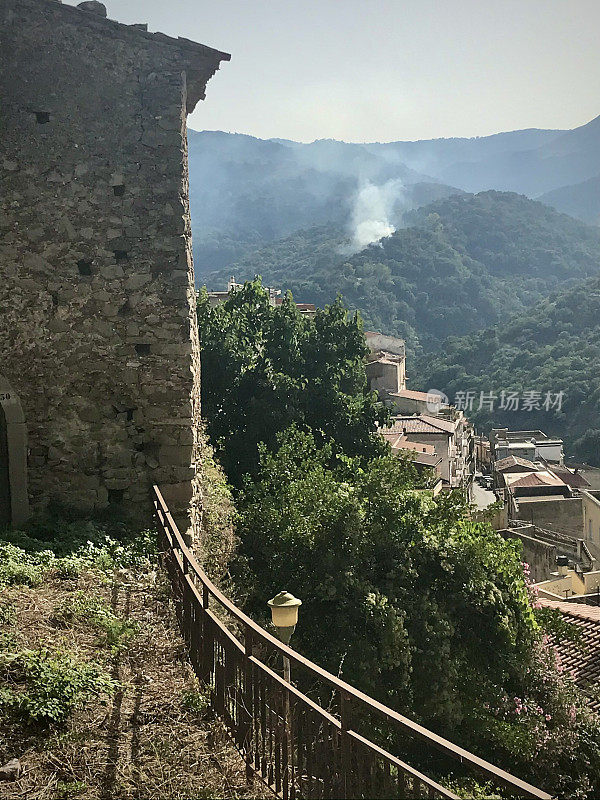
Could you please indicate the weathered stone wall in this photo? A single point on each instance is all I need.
(98, 335)
(562, 514)
(541, 556)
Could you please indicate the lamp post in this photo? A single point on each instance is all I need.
(284, 613)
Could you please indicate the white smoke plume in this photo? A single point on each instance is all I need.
(373, 212)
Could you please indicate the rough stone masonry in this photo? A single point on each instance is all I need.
(99, 357)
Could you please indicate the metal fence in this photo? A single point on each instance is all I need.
(298, 747)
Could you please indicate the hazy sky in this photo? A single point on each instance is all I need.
(379, 70)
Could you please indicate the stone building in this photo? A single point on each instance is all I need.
(99, 357)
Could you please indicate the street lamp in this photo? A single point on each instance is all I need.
(284, 613)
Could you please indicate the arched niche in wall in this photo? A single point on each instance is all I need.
(13, 457)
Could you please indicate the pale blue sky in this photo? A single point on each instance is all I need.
(380, 70)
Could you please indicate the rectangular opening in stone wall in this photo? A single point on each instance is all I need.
(42, 117)
(119, 190)
(84, 267)
(142, 349)
(121, 255)
(115, 496)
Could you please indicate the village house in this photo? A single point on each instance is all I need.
(569, 582)
(275, 298)
(542, 549)
(435, 435)
(528, 469)
(451, 440)
(532, 445)
(423, 456)
(408, 401)
(591, 520)
(386, 364)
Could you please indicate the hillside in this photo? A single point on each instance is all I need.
(582, 200)
(570, 157)
(462, 264)
(247, 192)
(97, 696)
(554, 347)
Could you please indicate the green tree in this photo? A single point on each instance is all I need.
(409, 599)
(422, 596)
(266, 367)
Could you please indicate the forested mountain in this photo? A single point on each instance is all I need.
(570, 157)
(554, 347)
(247, 192)
(460, 265)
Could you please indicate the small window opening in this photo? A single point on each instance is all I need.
(115, 496)
(130, 412)
(121, 255)
(142, 349)
(84, 267)
(42, 117)
(119, 190)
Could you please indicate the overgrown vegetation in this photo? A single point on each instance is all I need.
(404, 595)
(91, 670)
(266, 367)
(94, 610)
(553, 348)
(49, 685)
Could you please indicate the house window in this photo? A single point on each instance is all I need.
(589, 528)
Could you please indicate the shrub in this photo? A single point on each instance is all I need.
(26, 560)
(196, 702)
(19, 567)
(7, 612)
(50, 685)
(94, 610)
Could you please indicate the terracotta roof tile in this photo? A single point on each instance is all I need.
(580, 659)
(533, 479)
(513, 461)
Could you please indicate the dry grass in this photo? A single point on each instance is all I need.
(143, 743)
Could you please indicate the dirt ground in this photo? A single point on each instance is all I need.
(145, 742)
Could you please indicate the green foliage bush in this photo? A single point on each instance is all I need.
(402, 574)
(267, 367)
(19, 567)
(26, 559)
(196, 702)
(45, 687)
(80, 606)
(418, 605)
(7, 612)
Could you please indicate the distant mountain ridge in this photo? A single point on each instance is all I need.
(247, 192)
(581, 200)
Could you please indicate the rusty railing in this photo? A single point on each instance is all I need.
(294, 744)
